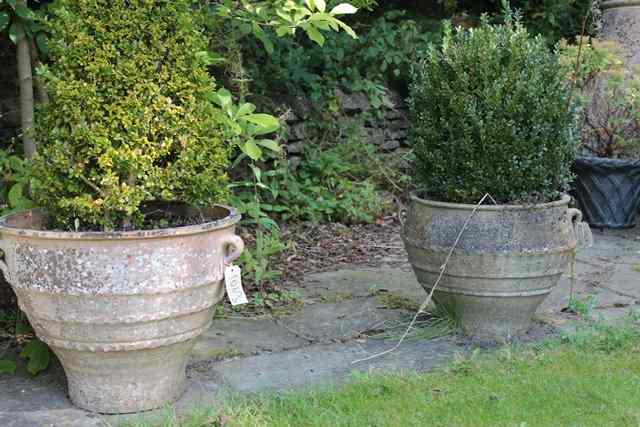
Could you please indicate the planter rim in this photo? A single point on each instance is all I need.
(468, 207)
(611, 4)
(228, 220)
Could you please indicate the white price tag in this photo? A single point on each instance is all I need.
(233, 282)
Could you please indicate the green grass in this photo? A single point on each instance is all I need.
(588, 378)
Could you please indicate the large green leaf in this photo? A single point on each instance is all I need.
(264, 123)
(17, 199)
(259, 33)
(14, 33)
(4, 20)
(343, 9)
(25, 13)
(223, 98)
(210, 58)
(252, 150)
(270, 144)
(314, 34)
(246, 108)
(38, 354)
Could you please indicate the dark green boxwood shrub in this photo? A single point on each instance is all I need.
(130, 118)
(491, 113)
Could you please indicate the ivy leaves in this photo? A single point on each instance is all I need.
(38, 355)
(15, 182)
(7, 366)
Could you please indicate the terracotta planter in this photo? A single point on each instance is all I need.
(506, 263)
(120, 310)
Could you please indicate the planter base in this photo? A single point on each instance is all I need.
(490, 318)
(492, 308)
(128, 381)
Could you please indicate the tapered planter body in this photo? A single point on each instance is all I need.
(607, 191)
(120, 310)
(506, 263)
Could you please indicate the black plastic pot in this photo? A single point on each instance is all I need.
(607, 191)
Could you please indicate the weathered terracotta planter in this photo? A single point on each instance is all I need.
(120, 310)
(506, 263)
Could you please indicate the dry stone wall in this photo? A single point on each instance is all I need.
(388, 129)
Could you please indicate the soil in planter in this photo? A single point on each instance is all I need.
(163, 215)
(159, 215)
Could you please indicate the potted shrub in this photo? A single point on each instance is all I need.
(607, 185)
(117, 281)
(490, 114)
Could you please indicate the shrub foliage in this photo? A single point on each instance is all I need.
(491, 113)
(130, 118)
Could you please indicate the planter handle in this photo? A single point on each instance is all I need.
(575, 215)
(581, 230)
(237, 245)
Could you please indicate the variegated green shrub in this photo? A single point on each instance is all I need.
(130, 118)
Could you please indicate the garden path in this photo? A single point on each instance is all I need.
(347, 315)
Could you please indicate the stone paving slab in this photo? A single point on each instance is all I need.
(318, 344)
(341, 321)
(326, 363)
(338, 306)
(244, 337)
(362, 283)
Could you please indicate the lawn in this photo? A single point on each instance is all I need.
(588, 378)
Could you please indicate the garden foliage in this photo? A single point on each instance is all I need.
(553, 19)
(491, 113)
(611, 93)
(379, 57)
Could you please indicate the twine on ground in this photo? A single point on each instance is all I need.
(427, 301)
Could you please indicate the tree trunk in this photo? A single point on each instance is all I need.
(26, 89)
